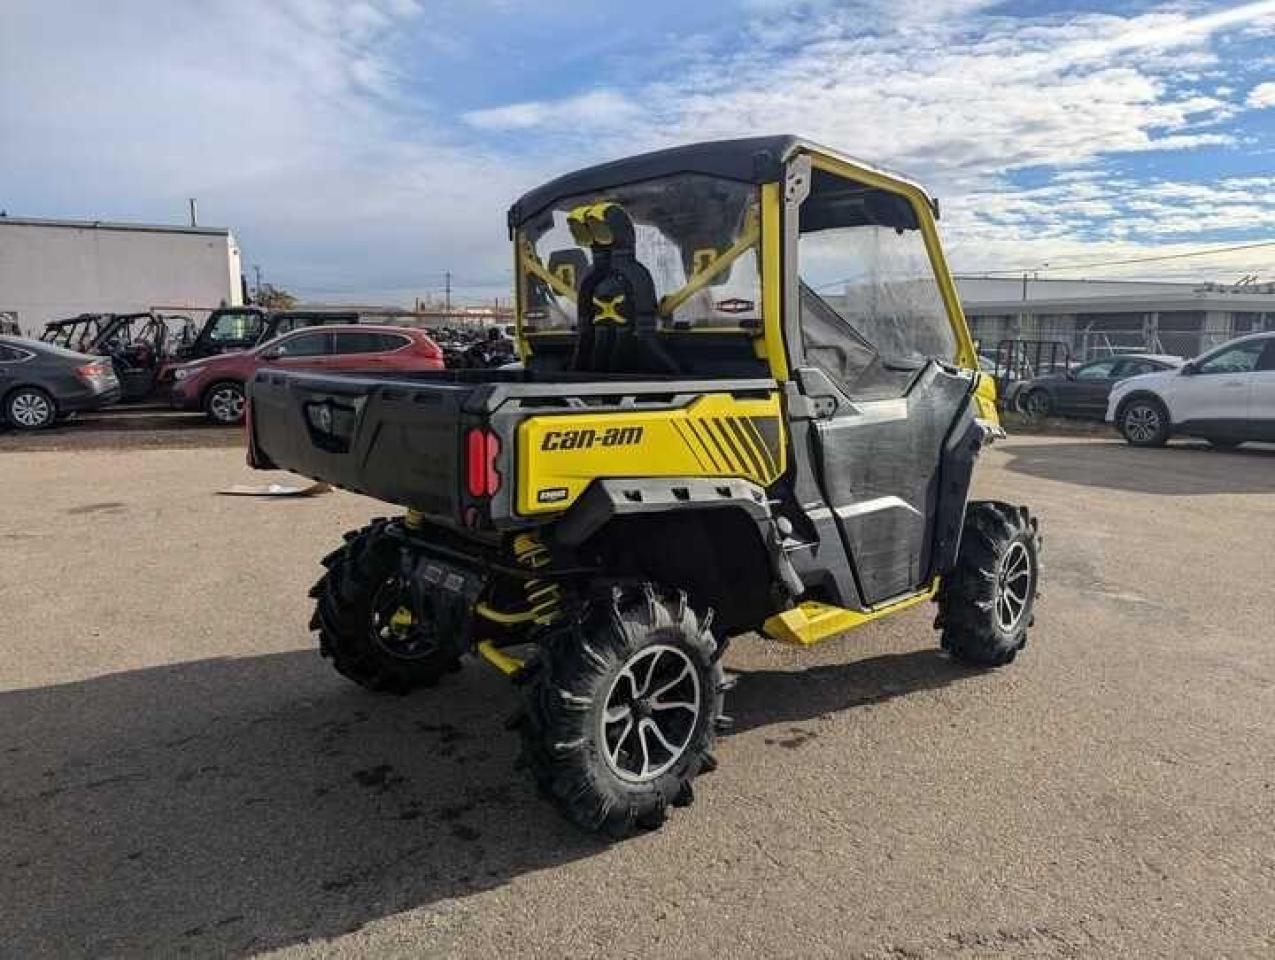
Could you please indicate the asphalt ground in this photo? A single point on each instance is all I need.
(181, 774)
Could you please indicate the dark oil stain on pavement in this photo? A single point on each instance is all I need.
(107, 506)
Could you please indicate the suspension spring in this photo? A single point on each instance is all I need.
(544, 597)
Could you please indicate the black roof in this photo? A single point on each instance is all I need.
(750, 160)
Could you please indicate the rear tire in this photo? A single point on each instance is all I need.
(1037, 404)
(1144, 422)
(30, 408)
(358, 614)
(621, 715)
(986, 603)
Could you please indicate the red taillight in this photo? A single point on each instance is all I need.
(482, 447)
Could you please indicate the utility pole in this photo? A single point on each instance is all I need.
(448, 291)
(256, 268)
(194, 208)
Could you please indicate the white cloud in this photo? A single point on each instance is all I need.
(294, 122)
(1262, 96)
(598, 108)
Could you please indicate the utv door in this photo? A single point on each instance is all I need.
(878, 349)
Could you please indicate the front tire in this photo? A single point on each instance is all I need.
(30, 408)
(365, 618)
(986, 603)
(1144, 422)
(225, 402)
(621, 715)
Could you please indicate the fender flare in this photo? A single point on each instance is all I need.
(1140, 395)
(607, 500)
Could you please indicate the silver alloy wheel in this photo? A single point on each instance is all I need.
(226, 403)
(31, 409)
(1141, 422)
(1014, 583)
(650, 713)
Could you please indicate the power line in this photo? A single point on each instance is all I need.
(1113, 263)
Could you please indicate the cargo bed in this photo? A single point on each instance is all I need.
(402, 437)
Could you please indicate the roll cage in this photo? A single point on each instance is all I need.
(798, 188)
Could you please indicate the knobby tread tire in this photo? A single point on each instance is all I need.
(343, 615)
(560, 717)
(967, 610)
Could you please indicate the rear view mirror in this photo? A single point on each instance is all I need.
(1188, 369)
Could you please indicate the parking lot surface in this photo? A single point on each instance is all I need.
(182, 774)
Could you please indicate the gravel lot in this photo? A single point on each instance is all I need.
(182, 774)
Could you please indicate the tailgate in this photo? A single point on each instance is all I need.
(396, 440)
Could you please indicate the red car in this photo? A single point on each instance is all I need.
(216, 384)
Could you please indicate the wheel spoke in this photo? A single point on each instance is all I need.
(627, 674)
(686, 668)
(617, 714)
(614, 752)
(646, 753)
(659, 735)
(673, 705)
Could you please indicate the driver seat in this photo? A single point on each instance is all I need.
(617, 314)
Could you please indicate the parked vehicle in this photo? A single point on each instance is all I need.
(1226, 396)
(40, 382)
(1082, 391)
(700, 445)
(142, 346)
(216, 384)
(241, 328)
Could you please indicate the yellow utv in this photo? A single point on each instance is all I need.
(748, 402)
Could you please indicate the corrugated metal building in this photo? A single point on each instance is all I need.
(50, 269)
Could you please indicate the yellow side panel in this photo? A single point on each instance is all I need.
(717, 435)
(810, 622)
(985, 398)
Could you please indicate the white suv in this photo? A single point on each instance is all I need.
(1226, 396)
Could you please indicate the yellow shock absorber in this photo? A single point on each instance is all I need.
(413, 519)
(544, 597)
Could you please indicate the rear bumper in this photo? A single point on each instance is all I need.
(88, 400)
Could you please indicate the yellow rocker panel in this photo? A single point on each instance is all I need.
(810, 622)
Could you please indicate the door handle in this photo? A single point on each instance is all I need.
(1232, 383)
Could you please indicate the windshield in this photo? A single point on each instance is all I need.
(696, 234)
(236, 327)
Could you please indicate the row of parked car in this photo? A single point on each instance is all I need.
(1225, 396)
(94, 360)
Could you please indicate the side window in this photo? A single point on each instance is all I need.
(1267, 360)
(1241, 358)
(306, 345)
(1101, 370)
(366, 342)
(1132, 368)
(872, 312)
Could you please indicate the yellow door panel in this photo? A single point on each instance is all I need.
(715, 436)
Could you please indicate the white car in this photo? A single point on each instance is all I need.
(1226, 396)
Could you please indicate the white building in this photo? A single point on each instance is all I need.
(51, 269)
(1098, 317)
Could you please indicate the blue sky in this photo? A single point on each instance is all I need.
(359, 150)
